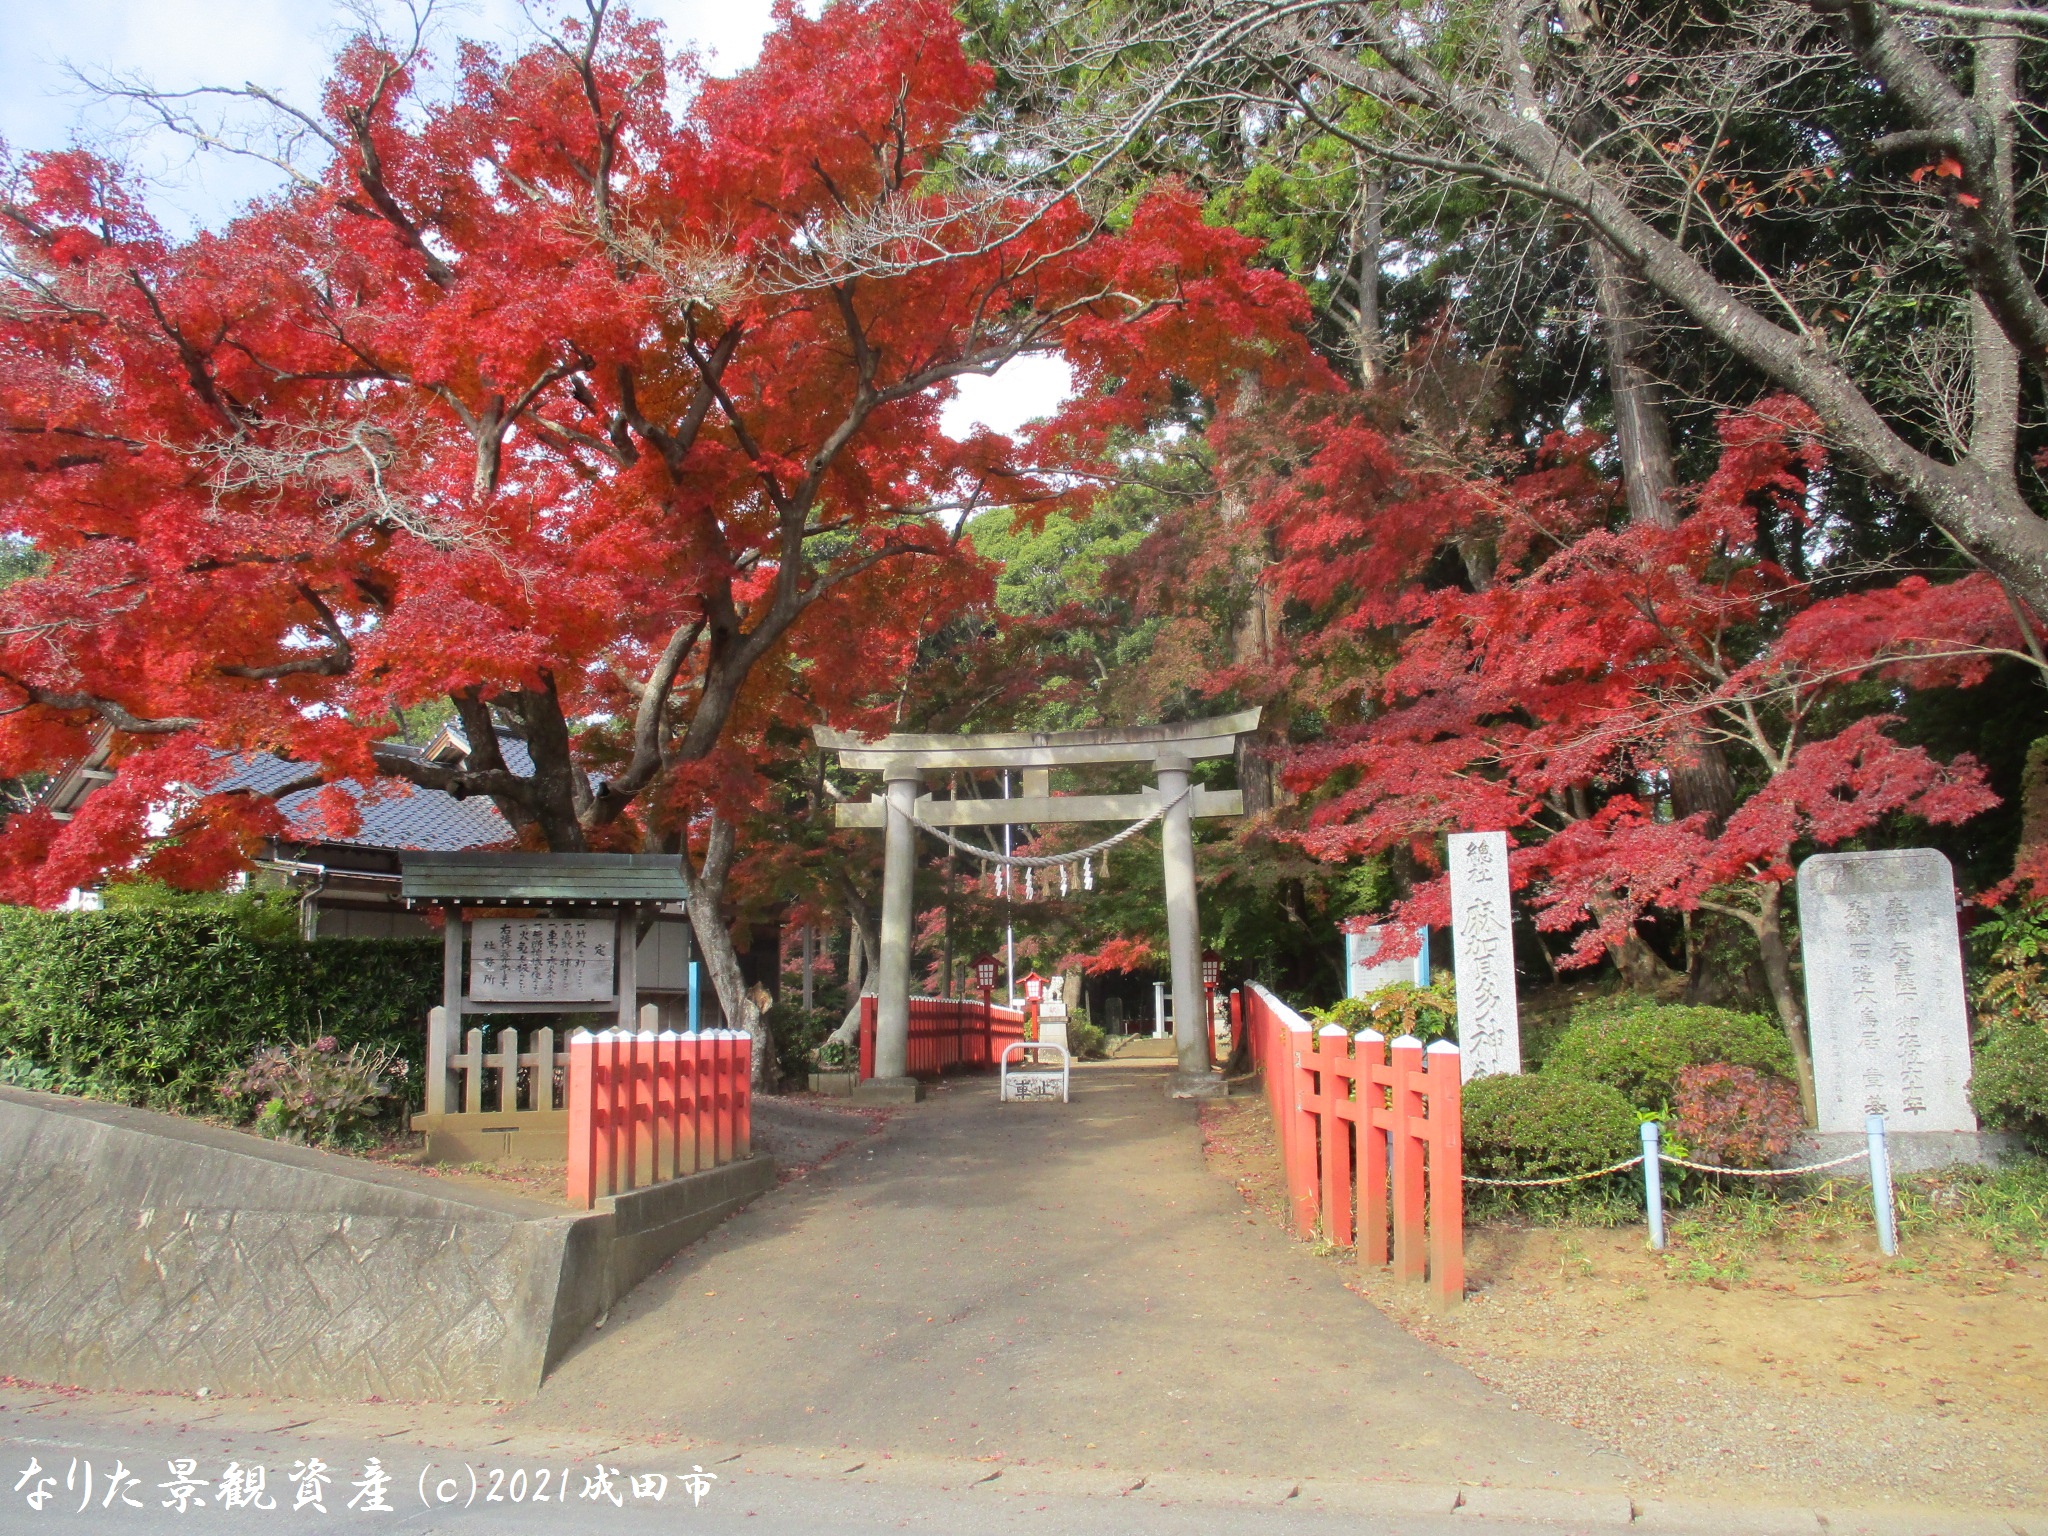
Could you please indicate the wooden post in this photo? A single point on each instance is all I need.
(628, 946)
(445, 1023)
(580, 1096)
(1333, 1050)
(1410, 1128)
(1371, 1057)
(1446, 1172)
(1301, 1143)
(508, 1073)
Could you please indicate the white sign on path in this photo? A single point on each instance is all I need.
(1483, 953)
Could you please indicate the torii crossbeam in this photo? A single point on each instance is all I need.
(1172, 750)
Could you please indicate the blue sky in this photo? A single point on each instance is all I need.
(285, 45)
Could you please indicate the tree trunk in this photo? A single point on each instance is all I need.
(1641, 428)
(1368, 237)
(1777, 960)
(861, 970)
(714, 940)
(856, 959)
(1701, 780)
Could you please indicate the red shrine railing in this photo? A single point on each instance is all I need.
(645, 1108)
(1360, 1123)
(945, 1032)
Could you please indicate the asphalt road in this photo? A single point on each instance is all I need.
(1046, 1283)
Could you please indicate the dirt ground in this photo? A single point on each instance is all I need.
(1767, 1361)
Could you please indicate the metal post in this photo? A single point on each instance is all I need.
(899, 871)
(1881, 1186)
(1158, 1010)
(696, 1003)
(1183, 926)
(1653, 1182)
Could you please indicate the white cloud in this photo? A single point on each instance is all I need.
(1021, 391)
(285, 45)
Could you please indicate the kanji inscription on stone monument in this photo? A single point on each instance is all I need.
(1884, 990)
(544, 960)
(1483, 951)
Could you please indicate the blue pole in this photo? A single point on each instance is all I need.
(1422, 959)
(696, 1016)
(1653, 1182)
(1881, 1186)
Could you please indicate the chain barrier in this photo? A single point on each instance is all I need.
(1636, 1162)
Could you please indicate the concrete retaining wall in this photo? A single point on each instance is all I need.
(145, 1251)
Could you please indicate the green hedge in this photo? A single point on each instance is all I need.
(1639, 1047)
(1537, 1127)
(2009, 1077)
(156, 1005)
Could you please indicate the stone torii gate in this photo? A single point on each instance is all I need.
(1172, 750)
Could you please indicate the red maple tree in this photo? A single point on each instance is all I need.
(1554, 690)
(614, 427)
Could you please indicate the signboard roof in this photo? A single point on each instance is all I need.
(558, 879)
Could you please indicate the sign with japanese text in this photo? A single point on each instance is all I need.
(1483, 954)
(542, 960)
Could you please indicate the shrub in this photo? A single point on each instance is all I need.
(796, 1036)
(836, 1056)
(1735, 1116)
(2009, 1056)
(1427, 1013)
(158, 1004)
(1638, 1047)
(317, 1092)
(1532, 1126)
(1085, 1040)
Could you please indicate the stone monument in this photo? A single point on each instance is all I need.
(1483, 954)
(1884, 991)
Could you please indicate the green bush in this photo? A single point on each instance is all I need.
(2009, 1056)
(2009, 1077)
(158, 1004)
(797, 1036)
(1427, 1013)
(1639, 1047)
(1085, 1040)
(1532, 1126)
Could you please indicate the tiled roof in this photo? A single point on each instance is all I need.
(395, 813)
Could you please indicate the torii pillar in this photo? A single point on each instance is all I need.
(1170, 750)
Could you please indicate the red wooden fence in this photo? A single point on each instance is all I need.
(644, 1107)
(1372, 1141)
(945, 1032)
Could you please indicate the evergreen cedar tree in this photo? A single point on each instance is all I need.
(543, 400)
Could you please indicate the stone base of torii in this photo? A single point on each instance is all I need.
(1172, 750)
